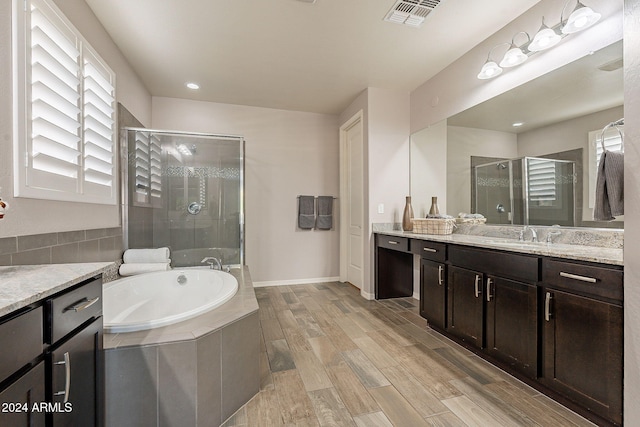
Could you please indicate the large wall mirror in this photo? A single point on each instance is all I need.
(529, 155)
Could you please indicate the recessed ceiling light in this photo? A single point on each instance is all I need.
(517, 124)
(193, 86)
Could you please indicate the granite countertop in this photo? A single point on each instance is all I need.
(242, 304)
(556, 250)
(21, 285)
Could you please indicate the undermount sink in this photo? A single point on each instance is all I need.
(510, 242)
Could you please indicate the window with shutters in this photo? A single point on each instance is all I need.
(542, 181)
(65, 139)
(147, 169)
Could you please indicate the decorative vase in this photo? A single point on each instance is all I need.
(434, 206)
(407, 225)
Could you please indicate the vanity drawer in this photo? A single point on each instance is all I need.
(73, 308)
(21, 341)
(503, 264)
(393, 242)
(429, 250)
(599, 281)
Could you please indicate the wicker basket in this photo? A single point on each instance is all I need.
(432, 225)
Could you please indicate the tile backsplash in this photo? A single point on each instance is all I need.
(102, 244)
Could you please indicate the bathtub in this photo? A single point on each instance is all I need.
(158, 299)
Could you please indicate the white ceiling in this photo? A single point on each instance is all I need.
(292, 55)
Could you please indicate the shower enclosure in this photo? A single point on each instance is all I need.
(184, 191)
(529, 190)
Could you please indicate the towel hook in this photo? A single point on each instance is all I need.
(616, 125)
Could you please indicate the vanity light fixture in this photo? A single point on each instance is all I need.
(580, 18)
(515, 55)
(192, 86)
(490, 68)
(544, 39)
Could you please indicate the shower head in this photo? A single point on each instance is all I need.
(501, 166)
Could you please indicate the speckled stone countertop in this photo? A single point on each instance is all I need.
(602, 255)
(21, 285)
(243, 303)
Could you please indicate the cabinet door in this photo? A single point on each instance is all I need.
(18, 399)
(511, 323)
(433, 292)
(582, 351)
(76, 380)
(465, 305)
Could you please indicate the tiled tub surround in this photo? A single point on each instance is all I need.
(594, 245)
(27, 284)
(102, 244)
(196, 372)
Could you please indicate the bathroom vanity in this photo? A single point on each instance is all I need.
(550, 315)
(51, 340)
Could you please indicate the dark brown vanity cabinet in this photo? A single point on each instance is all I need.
(394, 267)
(582, 329)
(492, 304)
(465, 312)
(22, 377)
(433, 281)
(74, 360)
(51, 361)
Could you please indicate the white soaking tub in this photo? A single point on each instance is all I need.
(153, 300)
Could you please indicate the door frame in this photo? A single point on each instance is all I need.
(345, 211)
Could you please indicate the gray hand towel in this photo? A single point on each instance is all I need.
(609, 187)
(306, 212)
(325, 213)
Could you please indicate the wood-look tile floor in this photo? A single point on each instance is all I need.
(331, 358)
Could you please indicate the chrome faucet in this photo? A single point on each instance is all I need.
(534, 233)
(550, 234)
(212, 261)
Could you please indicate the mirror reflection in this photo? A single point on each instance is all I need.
(530, 155)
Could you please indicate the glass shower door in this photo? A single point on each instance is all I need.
(494, 192)
(198, 208)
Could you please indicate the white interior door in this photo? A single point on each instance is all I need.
(352, 193)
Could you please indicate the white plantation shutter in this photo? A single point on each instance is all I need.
(155, 171)
(65, 115)
(148, 172)
(542, 180)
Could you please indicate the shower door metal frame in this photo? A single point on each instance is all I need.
(124, 175)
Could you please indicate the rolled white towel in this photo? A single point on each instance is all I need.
(141, 268)
(132, 256)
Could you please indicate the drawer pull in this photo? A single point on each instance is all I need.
(440, 270)
(577, 277)
(67, 377)
(489, 290)
(81, 305)
(430, 250)
(477, 286)
(547, 306)
(393, 242)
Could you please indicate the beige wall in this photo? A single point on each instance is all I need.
(428, 174)
(288, 153)
(386, 154)
(632, 212)
(31, 216)
(462, 143)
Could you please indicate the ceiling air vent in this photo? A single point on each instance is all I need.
(411, 12)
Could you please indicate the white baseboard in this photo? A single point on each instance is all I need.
(416, 295)
(295, 282)
(367, 295)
